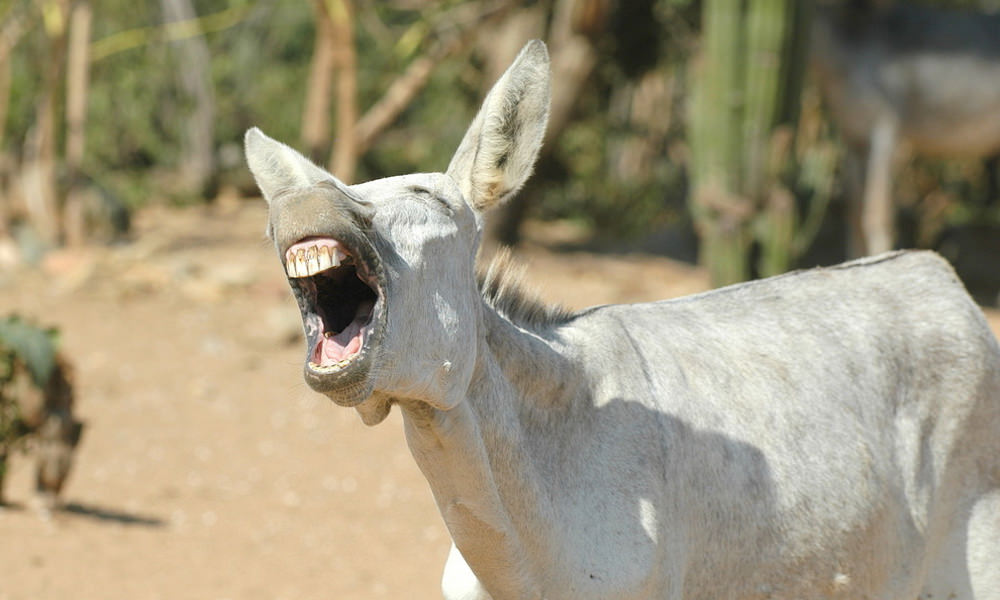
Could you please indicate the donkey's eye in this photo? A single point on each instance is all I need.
(433, 200)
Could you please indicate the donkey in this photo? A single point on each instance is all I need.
(905, 76)
(829, 433)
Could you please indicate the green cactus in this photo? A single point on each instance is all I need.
(745, 170)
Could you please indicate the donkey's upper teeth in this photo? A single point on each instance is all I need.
(312, 260)
(306, 261)
(324, 259)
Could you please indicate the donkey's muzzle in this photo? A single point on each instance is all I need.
(321, 210)
(336, 276)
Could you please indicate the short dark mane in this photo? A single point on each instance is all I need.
(501, 286)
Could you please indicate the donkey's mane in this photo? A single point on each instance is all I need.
(502, 287)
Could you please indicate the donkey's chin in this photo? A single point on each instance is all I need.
(339, 292)
(349, 388)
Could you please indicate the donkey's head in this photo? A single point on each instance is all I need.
(383, 271)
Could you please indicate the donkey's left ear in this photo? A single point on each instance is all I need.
(499, 150)
(277, 167)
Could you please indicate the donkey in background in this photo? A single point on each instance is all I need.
(830, 433)
(905, 77)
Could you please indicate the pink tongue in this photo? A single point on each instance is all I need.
(331, 350)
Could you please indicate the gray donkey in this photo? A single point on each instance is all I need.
(829, 433)
(907, 76)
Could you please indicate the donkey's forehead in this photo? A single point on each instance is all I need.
(438, 184)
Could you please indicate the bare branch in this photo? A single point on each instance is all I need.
(455, 31)
(77, 72)
(170, 32)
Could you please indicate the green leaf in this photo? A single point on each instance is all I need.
(32, 344)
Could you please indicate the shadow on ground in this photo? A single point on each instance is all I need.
(109, 514)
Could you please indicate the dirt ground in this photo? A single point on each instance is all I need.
(207, 469)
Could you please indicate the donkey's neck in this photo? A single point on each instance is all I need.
(477, 456)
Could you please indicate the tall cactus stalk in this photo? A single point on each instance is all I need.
(716, 143)
(747, 86)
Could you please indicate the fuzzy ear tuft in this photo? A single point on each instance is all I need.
(277, 167)
(499, 149)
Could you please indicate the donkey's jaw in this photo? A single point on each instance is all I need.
(340, 294)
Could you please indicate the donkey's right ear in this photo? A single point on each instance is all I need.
(277, 167)
(499, 150)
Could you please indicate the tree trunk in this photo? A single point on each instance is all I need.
(197, 162)
(14, 24)
(573, 57)
(4, 93)
(575, 23)
(77, 79)
(316, 114)
(345, 148)
(39, 169)
(499, 48)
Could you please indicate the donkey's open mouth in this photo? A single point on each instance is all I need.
(338, 294)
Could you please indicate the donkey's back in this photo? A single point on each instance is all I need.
(834, 432)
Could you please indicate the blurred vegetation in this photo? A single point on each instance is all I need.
(27, 360)
(621, 165)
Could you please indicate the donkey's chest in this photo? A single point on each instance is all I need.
(602, 537)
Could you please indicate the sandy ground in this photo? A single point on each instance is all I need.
(207, 469)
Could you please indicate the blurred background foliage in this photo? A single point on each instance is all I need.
(373, 89)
